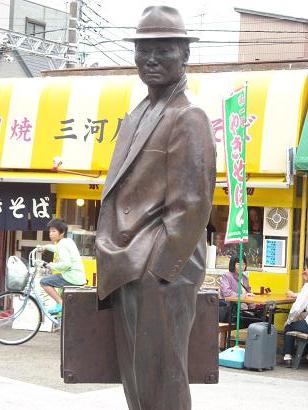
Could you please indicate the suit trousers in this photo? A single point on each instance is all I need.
(153, 319)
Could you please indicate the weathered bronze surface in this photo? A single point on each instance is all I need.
(88, 351)
(151, 235)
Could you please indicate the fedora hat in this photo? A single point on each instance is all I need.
(161, 22)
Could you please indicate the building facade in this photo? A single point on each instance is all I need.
(271, 37)
(65, 146)
(26, 19)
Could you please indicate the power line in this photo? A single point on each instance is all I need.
(219, 57)
(104, 51)
(106, 55)
(203, 48)
(95, 28)
(93, 11)
(99, 16)
(209, 30)
(99, 34)
(118, 40)
(236, 42)
(47, 31)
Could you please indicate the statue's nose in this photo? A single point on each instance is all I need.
(152, 57)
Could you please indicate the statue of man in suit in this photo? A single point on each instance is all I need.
(151, 235)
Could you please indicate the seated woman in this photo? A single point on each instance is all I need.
(229, 284)
(296, 321)
(229, 280)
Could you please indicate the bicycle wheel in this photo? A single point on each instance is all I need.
(20, 318)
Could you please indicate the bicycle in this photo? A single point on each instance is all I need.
(21, 312)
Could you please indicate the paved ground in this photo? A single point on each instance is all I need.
(30, 380)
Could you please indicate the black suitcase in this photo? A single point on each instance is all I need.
(88, 353)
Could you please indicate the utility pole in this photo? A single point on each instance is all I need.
(72, 35)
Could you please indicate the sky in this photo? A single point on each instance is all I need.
(130, 11)
(121, 11)
(217, 23)
(204, 14)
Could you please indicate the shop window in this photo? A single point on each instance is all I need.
(255, 220)
(252, 249)
(46, 236)
(218, 225)
(85, 241)
(29, 235)
(81, 216)
(25, 241)
(223, 251)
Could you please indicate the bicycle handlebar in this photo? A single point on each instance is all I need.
(33, 261)
(32, 257)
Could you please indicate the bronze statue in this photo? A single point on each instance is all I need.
(151, 234)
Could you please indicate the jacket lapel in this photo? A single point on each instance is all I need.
(124, 159)
(126, 133)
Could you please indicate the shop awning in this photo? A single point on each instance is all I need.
(274, 182)
(77, 118)
(301, 159)
(51, 178)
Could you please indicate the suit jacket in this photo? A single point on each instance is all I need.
(158, 195)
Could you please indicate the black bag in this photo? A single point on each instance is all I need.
(223, 311)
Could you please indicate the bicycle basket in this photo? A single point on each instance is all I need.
(17, 274)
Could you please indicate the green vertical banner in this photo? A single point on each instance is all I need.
(235, 151)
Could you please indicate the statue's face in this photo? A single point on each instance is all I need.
(160, 61)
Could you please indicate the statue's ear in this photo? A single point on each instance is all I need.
(186, 55)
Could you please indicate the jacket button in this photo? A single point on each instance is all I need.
(125, 238)
(126, 210)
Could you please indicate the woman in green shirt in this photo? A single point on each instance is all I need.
(67, 268)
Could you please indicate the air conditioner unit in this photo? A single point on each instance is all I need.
(276, 222)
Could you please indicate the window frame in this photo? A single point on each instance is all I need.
(36, 24)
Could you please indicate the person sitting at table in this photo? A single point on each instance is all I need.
(298, 317)
(229, 287)
(229, 280)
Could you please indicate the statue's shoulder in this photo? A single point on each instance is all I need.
(188, 100)
(186, 108)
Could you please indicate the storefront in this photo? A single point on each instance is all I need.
(277, 104)
(60, 132)
(27, 207)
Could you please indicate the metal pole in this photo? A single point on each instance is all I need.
(239, 291)
(240, 275)
(302, 232)
(72, 35)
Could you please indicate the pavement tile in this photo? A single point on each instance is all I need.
(30, 380)
(234, 391)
